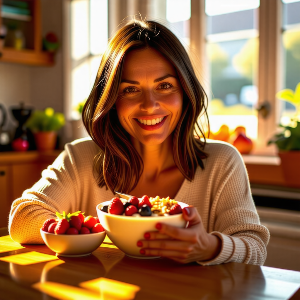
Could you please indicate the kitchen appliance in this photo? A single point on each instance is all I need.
(23, 137)
(4, 135)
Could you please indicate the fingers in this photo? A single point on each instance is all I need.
(162, 245)
(191, 215)
(183, 234)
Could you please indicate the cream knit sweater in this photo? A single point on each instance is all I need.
(221, 193)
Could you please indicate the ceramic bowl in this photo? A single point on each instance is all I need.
(125, 231)
(73, 245)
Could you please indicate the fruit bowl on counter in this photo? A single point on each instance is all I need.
(126, 230)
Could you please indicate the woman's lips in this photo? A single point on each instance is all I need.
(151, 127)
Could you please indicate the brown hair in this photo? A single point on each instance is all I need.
(118, 165)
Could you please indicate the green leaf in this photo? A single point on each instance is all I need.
(286, 94)
(60, 216)
(297, 94)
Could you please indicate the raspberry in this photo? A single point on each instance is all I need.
(130, 210)
(89, 222)
(175, 209)
(47, 224)
(116, 206)
(145, 201)
(72, 230)
(134, 201)
(97, 228)
(84, 230)
(75, 222)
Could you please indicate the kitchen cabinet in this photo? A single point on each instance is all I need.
(18, 172)
(30, 26)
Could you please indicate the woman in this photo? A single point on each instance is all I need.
(142, 117)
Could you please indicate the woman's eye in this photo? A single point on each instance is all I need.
(164, 86)
(130, 89)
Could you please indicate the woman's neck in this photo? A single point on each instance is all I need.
(156, 158)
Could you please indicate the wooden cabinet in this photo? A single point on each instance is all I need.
(18, 172)
(30, 26)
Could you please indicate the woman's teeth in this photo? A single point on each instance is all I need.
(150, 122)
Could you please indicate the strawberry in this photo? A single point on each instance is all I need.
(97, 228)
(116, 207)
(97, 220)
(84, 230)
(145, 200)
(89, 222)
(62, 226)
(81, 216)
(130, 210)
(134, 201)
(52, 227)
(175, 209)
(72, 230)
(47, 223)
(75, 221)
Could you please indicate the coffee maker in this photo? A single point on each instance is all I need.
(23, 138)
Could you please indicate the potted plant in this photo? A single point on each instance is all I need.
(288, 140)
(44, 124)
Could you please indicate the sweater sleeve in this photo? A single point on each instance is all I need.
(234, 218)
(59, 189)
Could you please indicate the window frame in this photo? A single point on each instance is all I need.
(270, 63)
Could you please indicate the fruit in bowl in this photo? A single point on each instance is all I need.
(73, 234)
(125, 230)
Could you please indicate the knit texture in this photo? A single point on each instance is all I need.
(220, 192)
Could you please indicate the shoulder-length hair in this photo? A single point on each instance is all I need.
(118, 165)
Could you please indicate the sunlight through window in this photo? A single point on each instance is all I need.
(7, 244)
(28, 258)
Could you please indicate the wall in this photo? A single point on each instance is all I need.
(36, 86)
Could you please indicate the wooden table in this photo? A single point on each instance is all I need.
(34, 272)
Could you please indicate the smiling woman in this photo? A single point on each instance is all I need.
(142, 117)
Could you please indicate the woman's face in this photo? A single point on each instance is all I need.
(150, 98)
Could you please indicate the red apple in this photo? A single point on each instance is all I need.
(20, 145)
(243, 143)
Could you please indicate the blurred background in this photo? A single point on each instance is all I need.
(243, 52)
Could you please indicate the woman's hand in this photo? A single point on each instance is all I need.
(183, 245)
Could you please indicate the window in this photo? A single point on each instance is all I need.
(89, 35)
(232, 51)
(291, 52)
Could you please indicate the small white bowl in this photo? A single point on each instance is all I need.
(73, 245)
(126, 231)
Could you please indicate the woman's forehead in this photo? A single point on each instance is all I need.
(146, 60)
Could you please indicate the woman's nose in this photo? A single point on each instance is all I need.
(149, 102)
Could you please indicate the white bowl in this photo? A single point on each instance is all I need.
(73, 245)
(126, 231)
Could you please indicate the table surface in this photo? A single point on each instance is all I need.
(34, 272)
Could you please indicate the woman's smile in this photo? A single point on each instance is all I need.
(151, 124)
(150, 96)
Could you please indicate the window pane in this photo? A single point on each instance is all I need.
(99, 26)
(174, 14)
(80, 29)
(291, 52)
(232, 48)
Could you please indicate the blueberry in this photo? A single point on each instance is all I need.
(126, 205)
(145, 211)
(104, 208)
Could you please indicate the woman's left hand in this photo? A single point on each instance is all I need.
(183, 245)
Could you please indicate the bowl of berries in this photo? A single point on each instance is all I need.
(127, 220)
(73, 234)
